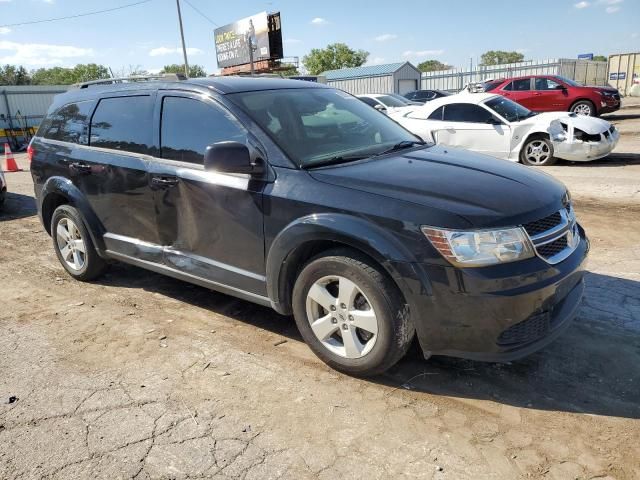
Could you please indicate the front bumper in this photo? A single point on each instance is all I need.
(608, 105)
(579, 151)
(498, 313)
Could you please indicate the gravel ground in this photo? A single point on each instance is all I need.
(139, 375)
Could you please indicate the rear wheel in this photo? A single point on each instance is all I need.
(584, 107)
(73, 245)
(351, 314)
(537, 151)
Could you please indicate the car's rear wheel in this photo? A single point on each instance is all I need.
(351, 314)
(73, 245)
(584, 107)
(537, 151)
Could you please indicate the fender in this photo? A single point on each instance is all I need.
(75, 198)
(344, 229)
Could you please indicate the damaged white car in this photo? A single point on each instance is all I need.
(496, 126)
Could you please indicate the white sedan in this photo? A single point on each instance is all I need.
(496, 126)
(387, 103)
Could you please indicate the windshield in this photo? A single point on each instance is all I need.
(491, 85)
(390, 101)
(511, 111)
(321, 125)
(571, 83)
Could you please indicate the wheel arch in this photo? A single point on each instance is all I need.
(584, 99)
(61, 191)
(307, 237)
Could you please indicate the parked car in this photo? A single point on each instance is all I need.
(384, 102)
(494, 125)
(404, 100)
(3, 189)
(552, 93)
(423, 96)
(299, 197)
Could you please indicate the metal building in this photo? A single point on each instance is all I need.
(399, 77)
(624, 73)
(22, 108)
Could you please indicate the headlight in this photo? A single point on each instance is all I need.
(481, 247)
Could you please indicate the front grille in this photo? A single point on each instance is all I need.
(529, 330)
(550, 249)
(554, 237)
(541, 226)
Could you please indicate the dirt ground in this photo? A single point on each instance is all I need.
(139, 375)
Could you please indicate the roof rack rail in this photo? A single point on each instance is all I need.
(132, 79)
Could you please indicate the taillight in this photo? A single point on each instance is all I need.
(30, 153)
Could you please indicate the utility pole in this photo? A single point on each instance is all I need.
(184, 48)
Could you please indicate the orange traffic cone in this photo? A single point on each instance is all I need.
(10, 164)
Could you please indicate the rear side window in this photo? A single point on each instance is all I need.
(466, 112)
(521, 85)
(437, 114)
(123, 123)
(69, 123)
(189, 126)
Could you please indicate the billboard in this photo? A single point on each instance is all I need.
(233, 41)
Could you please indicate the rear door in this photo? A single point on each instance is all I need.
(471, 126)
(519, 90)
(113, 173)
(210, 223)
(549, 96)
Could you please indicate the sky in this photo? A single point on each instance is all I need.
(452, 31)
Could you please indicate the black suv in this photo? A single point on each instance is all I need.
(300, 197)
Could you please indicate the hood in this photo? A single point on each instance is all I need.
(590, 125)
(485, 191)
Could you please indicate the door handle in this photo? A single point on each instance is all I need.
(164, 181)
(80, 167)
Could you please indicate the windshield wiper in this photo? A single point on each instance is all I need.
(336, 160)
(401, 146)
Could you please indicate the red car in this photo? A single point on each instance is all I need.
(552, 93)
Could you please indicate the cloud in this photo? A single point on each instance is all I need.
(161, 51)
(581, 4)
(634, 35)
(612, 9)
(422, 53)
(40, 53)
(292, 41)
(386, 37)
(319, 21)
(4, 30)
(610, 2)
(523, 50)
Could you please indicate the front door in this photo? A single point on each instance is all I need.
(474, 128)
(519, 91)
(549, 96)
(211, 224)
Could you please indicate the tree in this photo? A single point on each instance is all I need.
(333, 57)
(194, 70)
(496, 57)
(67, 76)
(12, 75)
(600, 58)
(432, 66)
(290, 71)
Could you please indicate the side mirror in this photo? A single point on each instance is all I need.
(380, 108)
(561, 87)
(230, 157)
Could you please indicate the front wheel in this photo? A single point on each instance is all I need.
(584, 107)
(351, 314)
(537, 152)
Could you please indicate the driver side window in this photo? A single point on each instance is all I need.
(546, 84)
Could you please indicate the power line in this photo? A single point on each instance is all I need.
(75, 16)
(202, 14)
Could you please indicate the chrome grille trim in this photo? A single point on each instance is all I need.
(567, 229)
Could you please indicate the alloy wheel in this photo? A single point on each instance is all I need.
(341, 317)
(582, 109)
(71, 244)
(537, 152)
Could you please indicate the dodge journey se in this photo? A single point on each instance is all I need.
(300, 197)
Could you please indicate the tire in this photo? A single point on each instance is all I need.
(345, 275)
(537, 151)
(584, 107)
(70, 237)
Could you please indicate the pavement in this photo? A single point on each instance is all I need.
(137, 375)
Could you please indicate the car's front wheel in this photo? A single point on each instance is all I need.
(537, 151)
(584, 107)
(351, 314)
(73, 245)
